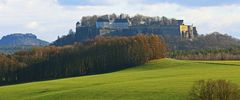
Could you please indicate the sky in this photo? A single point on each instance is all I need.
(49, 19)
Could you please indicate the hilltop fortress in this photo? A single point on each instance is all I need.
(123, 25)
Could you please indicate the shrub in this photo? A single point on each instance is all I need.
(214, 90)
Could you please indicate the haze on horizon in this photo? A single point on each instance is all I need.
(49, 19)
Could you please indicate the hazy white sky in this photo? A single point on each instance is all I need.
(51, 18)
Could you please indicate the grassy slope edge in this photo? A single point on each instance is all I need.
(165, 79)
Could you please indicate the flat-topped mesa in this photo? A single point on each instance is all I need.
(93, 26)
(19, 39)
(19, 35)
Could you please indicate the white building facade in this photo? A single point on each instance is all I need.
(102, 23)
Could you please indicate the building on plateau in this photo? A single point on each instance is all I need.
(120, 24)
(123, 26)
(102, 23)
(117, 24)
(187, 31)
(106, 26)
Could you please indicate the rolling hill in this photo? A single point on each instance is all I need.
(165, 79)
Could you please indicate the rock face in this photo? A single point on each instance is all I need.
(19, 39)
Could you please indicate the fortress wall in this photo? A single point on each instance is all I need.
(86, 32)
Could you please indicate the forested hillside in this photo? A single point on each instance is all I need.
(101, 55)
(14, 49)
(210, 41)
(213, 46)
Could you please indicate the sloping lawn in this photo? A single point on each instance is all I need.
(165, 79)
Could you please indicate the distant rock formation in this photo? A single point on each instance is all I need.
(19, 39)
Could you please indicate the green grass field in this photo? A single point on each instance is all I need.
(164, 79)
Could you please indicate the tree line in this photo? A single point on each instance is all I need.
(136, 20)
(100, 55)
(207, 54)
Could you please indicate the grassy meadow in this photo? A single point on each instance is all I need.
(164, 79)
